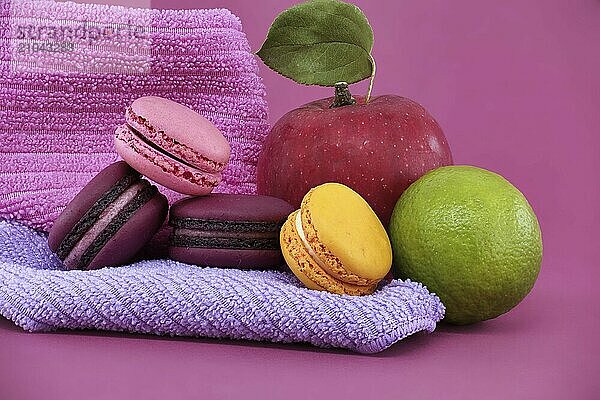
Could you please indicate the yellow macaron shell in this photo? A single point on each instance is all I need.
(307, 269)
(346, 234)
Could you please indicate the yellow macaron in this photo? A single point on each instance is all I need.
(335, 242)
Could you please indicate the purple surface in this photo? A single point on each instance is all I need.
(514, 86)
(164, 297)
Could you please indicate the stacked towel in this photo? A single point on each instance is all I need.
(168, 298)
(68, 71)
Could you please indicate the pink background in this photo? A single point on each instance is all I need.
(516, 86)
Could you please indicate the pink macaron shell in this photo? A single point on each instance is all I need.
(173, 147)
(186, 130)
(162, 169)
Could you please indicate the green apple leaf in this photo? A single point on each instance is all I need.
(320, 42)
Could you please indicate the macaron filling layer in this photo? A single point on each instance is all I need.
(218, 225)
(164, 161)
(300, 231)
(112, 218)
(211, 234)
(223, 234)
(221, 240)
(185, 154)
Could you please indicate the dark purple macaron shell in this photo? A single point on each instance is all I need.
(109, 221)
(228, 230)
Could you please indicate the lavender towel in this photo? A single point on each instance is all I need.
(68, 71)
(170, 298)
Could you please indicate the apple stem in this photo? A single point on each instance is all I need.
(343, 97)
(371, 81)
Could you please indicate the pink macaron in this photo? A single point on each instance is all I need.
(172, 145)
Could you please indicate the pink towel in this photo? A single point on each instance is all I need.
(68, 71)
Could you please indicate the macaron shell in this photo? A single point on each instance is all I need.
(231, 207)
(133, 235)
(85, 199)
(328, 261)
(158, 246)
(307, 270)
(227, 258)
(183, 125)
(165, 171)
(343, 230)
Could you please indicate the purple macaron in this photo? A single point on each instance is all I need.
(109, 221)
(227, 230)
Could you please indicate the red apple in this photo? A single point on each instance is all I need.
(378, 149)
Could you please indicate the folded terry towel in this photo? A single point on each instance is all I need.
(68, 71)
(170, 298)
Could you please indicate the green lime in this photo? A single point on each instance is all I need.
(471, 237)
